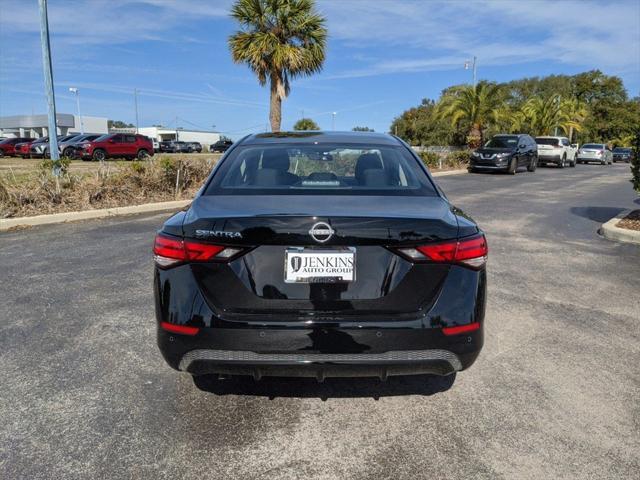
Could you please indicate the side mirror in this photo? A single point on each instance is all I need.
(574, 145)
(111, 140)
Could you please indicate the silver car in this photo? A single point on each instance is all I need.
(595, 152)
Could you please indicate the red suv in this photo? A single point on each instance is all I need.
(23, 148)
(117, 145)
(8, 145)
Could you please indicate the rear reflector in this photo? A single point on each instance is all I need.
(181, 329)
(471, 251)
(470, 327)
(170, 251)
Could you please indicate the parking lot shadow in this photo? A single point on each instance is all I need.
(273, 387)
(596, 214)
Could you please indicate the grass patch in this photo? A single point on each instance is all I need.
(111, 184)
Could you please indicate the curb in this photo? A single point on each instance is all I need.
(13, 223)
(449, 172)
(612, 232)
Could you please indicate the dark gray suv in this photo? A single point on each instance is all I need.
(506, 152)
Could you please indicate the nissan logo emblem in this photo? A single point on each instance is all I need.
(321, 232)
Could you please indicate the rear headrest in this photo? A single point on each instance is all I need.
(367, 161)
(276, 158)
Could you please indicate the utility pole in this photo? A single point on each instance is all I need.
(333, 121)
(77, 92)
(472, 64)
(135, 99)
(555, 133)
(48, 85)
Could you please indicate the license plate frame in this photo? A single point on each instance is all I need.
(316, 258)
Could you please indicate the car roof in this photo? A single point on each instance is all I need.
(318, 136)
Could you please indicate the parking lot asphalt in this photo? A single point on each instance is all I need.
(555, 393)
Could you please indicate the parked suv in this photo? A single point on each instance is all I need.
(22, 149)
(506, 153)
(173, 146)
(194, 147)
(556, 150)
(68, 147)
(8, 145)
(117, 145)
(41, 149)
(220, 146)
(595, 152)
(622, 154)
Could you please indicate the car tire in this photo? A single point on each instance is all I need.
(142, 154)
(573, 163)
(513, 166)
(67, 152)
(563, 162)
(99, 155)
(532, 165)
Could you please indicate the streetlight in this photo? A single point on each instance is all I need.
(333, 120)
(471, 64)
(77, 92)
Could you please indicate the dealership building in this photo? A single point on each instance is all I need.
(35, 126)
(162, 134)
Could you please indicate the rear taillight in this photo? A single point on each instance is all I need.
(471, 251)
(458, 329)
(169, 251)
(181, 329)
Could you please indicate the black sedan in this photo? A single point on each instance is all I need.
(320, 254)
(220, 146)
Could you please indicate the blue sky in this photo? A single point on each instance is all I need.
(383, 57)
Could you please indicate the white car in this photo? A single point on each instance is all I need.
(595, 152)
(556, 150)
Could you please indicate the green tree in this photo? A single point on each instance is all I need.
(279, 40)
(119, 124)
(306, 124)
(635, 161)
(476, 108)
(362, 129)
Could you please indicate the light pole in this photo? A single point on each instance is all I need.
(472, 64)
(135, 99)
(333, 120)
(77, 92)
(48, 86)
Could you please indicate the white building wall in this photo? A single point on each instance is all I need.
(91, 125)
(162, 134)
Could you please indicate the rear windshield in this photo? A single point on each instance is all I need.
(503, 142)
(596, 146)
(548, 141)
(320, 169)
(622, 150)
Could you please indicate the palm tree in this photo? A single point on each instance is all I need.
(546, 114)
(574, 112)
(476, 107)
(279, 40)
(305, 124)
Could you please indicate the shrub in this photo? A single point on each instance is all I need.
(430, 159)
(458, 158)
(635, 163)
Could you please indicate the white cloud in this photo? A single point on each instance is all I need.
(436, 35)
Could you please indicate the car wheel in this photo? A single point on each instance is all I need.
(533, 165)
(142, 154)
(573, 163)
(513, 166)
(563, 162)
(67, 152)
(99, 155)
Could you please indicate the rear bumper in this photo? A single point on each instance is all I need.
(320, 366)
(542, 158)
(320, 352)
